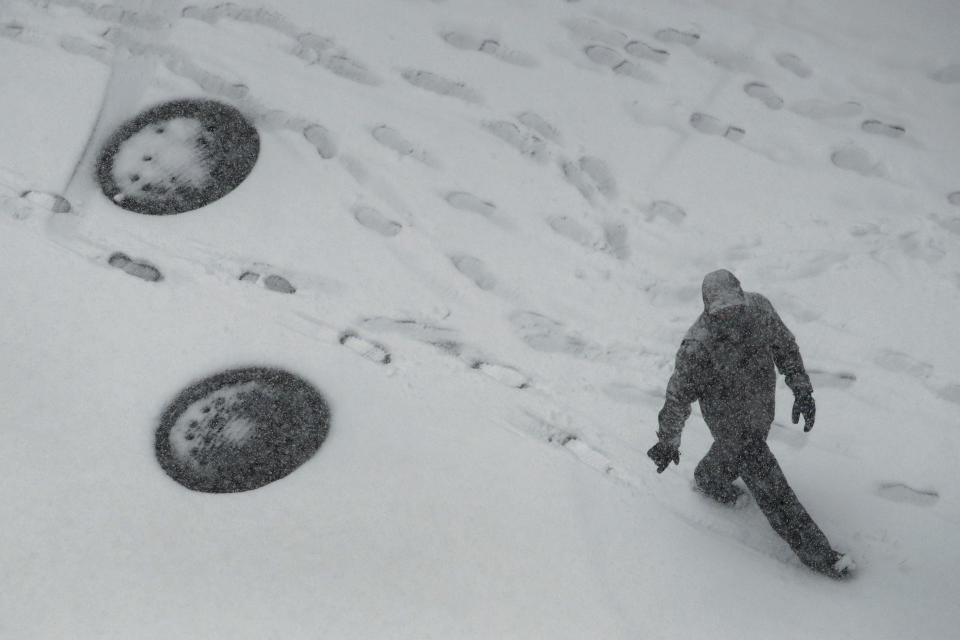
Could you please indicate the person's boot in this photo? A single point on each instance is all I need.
(832, 564)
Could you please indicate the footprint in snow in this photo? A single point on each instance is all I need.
(954, 198)
(367, 349)
(502, 373)
(577, 232)
(273, 282)
(883, 129)
(84, 47)
(11, 30)
(598, 171)
(644, 51)
(252, 15)
(590, 175)
(372, 219)
(440, 337)
(447, 340)
(469, 202)
(528, 144)
(902, 492)
(764, 93)
(321, 138)
(545, 334)
(137, 268)
(792, 62)
(833, 380)
(615, 234)
(394, 140)
(855, 158)
(475, 270)
(899, 362)
(538, 125)
(667, 210)
(119, 15)
(442, 86)
(346, 67)
(710, 125)
(607, 57)
(50, 201)
(609, 238)
(676, 36)
(490, 46)
(547, 431)
(311, 47)
(574, 174)
(817, 109)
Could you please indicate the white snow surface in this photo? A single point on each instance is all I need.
(496, 216)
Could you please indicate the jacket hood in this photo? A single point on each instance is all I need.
(721, 290)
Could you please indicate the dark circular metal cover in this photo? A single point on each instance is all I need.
(241, 429)
(177, 156)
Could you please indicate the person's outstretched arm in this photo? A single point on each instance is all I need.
(683, 389)
(786, 355)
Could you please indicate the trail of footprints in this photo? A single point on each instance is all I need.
(530, 137)
(534, 138)
(443, 338)
(488, 45)
(233, 90)
(606, 46)
(311, 47)
(905, 364)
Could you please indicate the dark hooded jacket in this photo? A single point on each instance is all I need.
(728, 365)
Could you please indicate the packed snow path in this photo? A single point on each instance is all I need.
(480, 231)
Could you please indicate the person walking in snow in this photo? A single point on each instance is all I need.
(726, 362)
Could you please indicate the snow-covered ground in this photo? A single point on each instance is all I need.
(495, 216)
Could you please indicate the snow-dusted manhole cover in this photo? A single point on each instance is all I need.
(177, 156)
(241, 429)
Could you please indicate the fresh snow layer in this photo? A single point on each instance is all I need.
(164, 154)
(479, 229)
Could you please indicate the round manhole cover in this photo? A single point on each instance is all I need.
(177, 156)
(241, 429)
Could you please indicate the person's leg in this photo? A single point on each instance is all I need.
(717, 470)
(765, 479)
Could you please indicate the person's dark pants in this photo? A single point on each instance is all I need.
(753, 461)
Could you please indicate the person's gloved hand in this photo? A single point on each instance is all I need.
(803, 404)
(663, 454)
